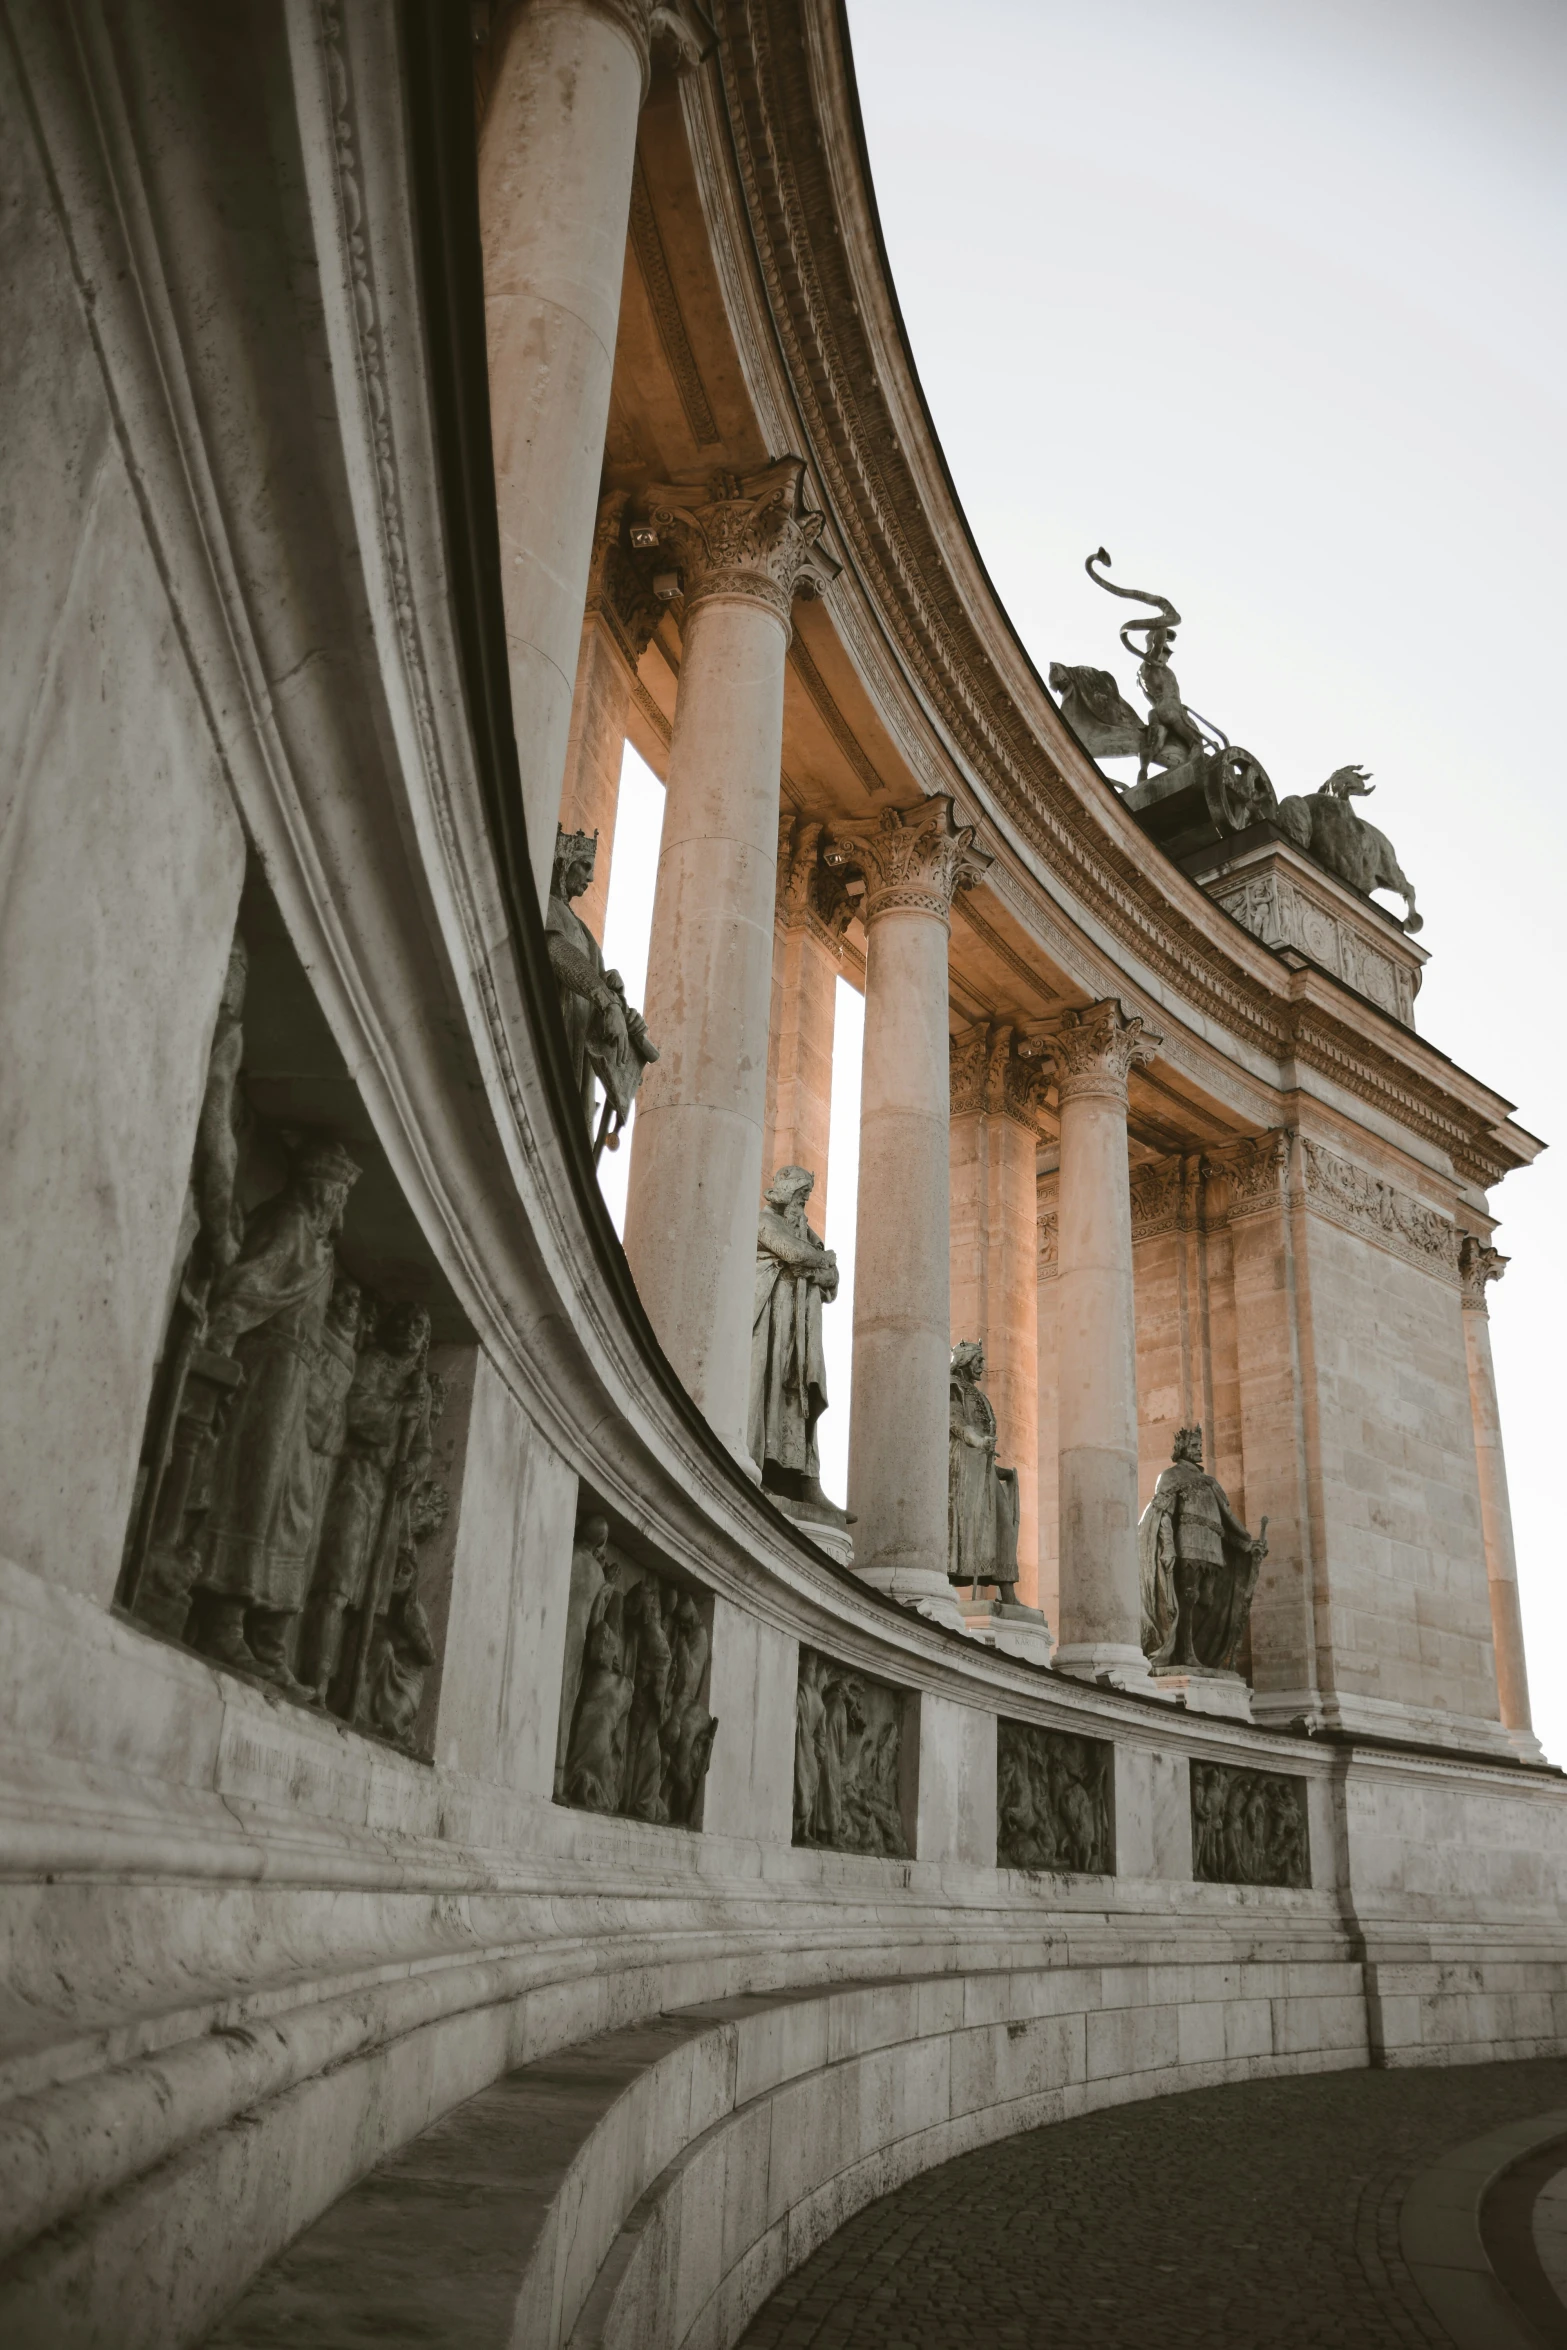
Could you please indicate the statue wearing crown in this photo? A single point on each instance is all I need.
(1199, 1566)
(606, 1037)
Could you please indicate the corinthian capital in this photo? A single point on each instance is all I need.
(751, 538)
(1096, 1051)
(1478, 1265)
(617, 591)
(914, 859)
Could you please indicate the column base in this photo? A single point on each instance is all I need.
(1011, 1631)
(1123, 1667)
(836, 1541)
(920, 1588)
(1204, 1690)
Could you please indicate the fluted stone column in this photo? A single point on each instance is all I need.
(1101, 1613)
(1479, 1266)
(555, 160)
(912, 863)
(743, 553)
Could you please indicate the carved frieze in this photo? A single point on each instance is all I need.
(1048, 1229)
(1478, 1265)
(1274, 907)
(912, 859)
(635, 1733)
(1360, 1202)
(848, 1748)
(1248, 1827)
(284, 1497)
(750, 537)
(1055, 1803)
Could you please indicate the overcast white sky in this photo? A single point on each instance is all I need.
(1268, 299)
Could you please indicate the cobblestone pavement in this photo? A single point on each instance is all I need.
(1258, 2217)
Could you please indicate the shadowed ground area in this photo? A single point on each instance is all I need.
(1258, 2217)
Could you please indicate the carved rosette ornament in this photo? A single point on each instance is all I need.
(1095, 1051)
(1478, 1266)
(912, 860)
(749, 537)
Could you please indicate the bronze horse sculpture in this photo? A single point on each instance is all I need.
(1325, 825)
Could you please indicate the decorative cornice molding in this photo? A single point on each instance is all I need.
(653, 262)
(913, 859)
(836, 379)
(1095, 1051)
(1478, 1264)
(1362, 1203)
(831, 716)
(749, 536)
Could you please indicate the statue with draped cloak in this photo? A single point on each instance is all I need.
(795, 1277)
(1199, 1566)
(982, 1498)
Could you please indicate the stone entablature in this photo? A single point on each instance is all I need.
(1256, 1175)
(1362, 1203)
(1284, 899)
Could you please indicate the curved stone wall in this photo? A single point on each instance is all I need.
(254, 1945)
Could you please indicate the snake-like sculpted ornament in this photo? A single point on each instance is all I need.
(1175, 738)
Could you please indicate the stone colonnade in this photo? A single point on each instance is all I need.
(739, 966)
(556, 169)
(696, 1161)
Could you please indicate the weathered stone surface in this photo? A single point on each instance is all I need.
(639, 1735)
(1055, 1800)
(849, 1794)
(1248, 1827)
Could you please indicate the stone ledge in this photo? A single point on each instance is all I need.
(786, 2113)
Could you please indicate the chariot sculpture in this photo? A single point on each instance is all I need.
(1194, 786)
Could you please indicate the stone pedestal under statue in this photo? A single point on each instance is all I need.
(1203, 1689)
(1010, 1628)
